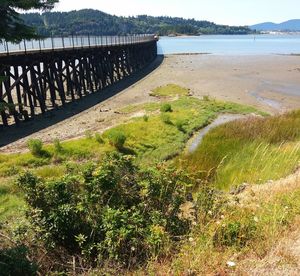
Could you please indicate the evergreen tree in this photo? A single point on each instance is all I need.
(12, 27)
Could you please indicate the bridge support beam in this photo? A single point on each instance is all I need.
(41, 81)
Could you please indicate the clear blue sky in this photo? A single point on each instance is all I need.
(235, 12)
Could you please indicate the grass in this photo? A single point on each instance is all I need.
(151, 140)
(170, 90)
(147, 138)
(218, 241)
(252, 151)
(148, 107)
(159, 138)
(10, 200)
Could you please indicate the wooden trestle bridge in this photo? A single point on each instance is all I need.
(36, 81)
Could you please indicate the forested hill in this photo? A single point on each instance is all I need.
(95, 22)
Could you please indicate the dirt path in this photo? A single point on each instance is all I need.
(271, 83)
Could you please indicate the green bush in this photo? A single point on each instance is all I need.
(117, 138)
(99, 138)
(13, 261)
(36, 147)
(166, 108)
(146, 118)
(114, 212)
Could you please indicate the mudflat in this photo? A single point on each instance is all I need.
(270, 83)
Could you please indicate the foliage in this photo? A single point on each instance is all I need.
(166, 119)
(99, 138)
(115, 211)
(166, 108)
(13, 261)
(235, 233)
(35, 146)
(180, 125)
(254, 150)
(58, 148)
(95, 22)
(117, 138)
(146, 118)
(12, 27)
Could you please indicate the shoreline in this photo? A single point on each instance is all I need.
(274, 79)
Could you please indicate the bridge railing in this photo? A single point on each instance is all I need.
(69, 42)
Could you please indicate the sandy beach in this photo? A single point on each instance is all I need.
(270, 83)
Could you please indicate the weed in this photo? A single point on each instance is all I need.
(99, 138)
(166, 119)
(58, 148)
(36, 147)
(206, 98)
(88, 134)
(180, 125)
(117, 139)
(166, 108)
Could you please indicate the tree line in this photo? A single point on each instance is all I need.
(95, 22)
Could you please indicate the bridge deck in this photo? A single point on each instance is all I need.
(40, 80)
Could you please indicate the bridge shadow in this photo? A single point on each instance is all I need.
(13, 133)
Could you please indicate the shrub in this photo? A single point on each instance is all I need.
(13, 261)
(57, 146)
(35, 146)
(132, 214)
(117, 138)
(166, 119)
(146, 118)
(166, 108)
(99, 138)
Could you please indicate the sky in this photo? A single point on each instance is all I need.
(231, 12)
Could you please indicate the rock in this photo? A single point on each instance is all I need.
(105, 110)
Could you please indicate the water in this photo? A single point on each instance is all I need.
(231, 44)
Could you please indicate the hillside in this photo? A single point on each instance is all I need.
(95, 22)
(291, 25)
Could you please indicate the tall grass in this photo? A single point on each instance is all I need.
(253, 150)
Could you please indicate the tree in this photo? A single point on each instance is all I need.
(12, 28)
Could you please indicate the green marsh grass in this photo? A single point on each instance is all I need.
(146, 137)
(170, 90)
(150, 139)
(253, 150)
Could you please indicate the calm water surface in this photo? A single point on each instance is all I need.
(231, 44)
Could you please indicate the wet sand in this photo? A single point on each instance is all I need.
(271, 83)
